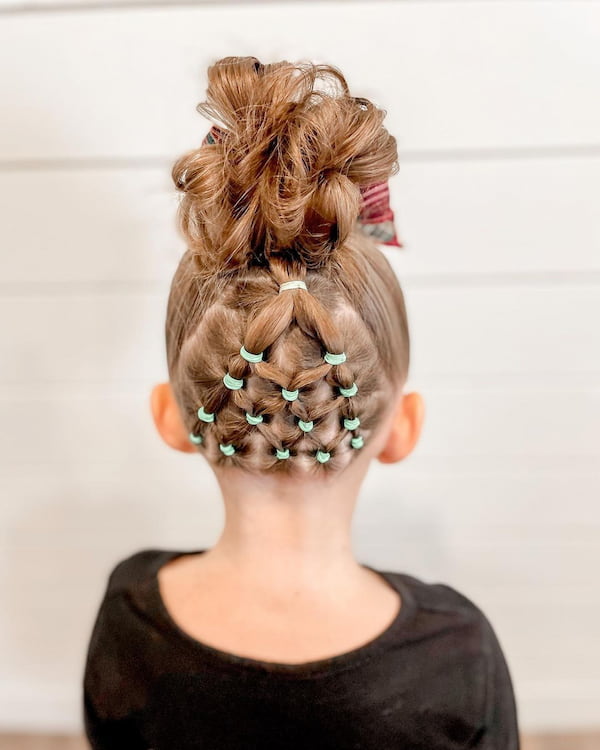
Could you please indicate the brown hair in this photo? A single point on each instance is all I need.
(277, 199)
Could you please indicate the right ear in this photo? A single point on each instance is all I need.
(167, 419)
(405, 429)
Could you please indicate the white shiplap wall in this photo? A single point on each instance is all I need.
(496, 109)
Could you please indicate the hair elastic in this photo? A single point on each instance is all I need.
(196, 439)
(357, 442)
(205, 416)
(232, 382)
(349, 391)
(305, 426)
(351, 424)
(228, 449)
(322, 456)
(334, 359)
(251, 419)
(296, 284)
(249, 357)
(289, 395)
(284, 453)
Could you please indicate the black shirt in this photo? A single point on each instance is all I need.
(435, 679)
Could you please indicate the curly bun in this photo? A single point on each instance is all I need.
(284, 177)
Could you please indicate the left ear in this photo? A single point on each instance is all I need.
(167, 419)
(405, 429)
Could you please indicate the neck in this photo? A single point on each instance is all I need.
(281, 533)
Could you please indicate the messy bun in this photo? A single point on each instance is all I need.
(291, 381)
(283, 179)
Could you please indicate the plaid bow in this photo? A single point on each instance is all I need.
(376, 217)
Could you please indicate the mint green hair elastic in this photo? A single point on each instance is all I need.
(349, 391)
(357, 442)
(289, 395)
(196, 439)
(249, 357)
(232, 382)
(228, 449)
(351, 424)
(205, 416)
(334, 359)
(251, 419)
(323, 456)
(296, 284)
(284, 453)
(305, 426)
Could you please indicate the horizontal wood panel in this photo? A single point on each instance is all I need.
(551, 504)
(118, 430)
(45, 507)
(530, 560)
(498, 216)
(118, 337)
(58, 5)
(93, 225)
(54, 5)
(452, 75)
(98, 225)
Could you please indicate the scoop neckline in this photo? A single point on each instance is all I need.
(327, 665)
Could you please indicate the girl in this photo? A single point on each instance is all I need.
(288, 350)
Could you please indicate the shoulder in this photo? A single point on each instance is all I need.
(118, 632)
(448, 615)
(133, 569)
(123, 595)
(449, 606)
(466, 637)
(124, 579)
(438, 596)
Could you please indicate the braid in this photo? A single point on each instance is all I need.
(285, 389)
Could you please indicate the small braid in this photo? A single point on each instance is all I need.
(285, 397)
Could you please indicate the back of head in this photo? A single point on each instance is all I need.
(271, 378)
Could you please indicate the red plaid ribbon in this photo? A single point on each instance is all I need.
(376, 217)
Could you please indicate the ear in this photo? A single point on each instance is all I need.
(405, 429)
(167, 419)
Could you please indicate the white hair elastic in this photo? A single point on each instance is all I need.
(296, 284)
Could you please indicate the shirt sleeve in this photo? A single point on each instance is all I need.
(501, 720)
(108, 722)
(109, 734)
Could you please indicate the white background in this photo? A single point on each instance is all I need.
(496, 109)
